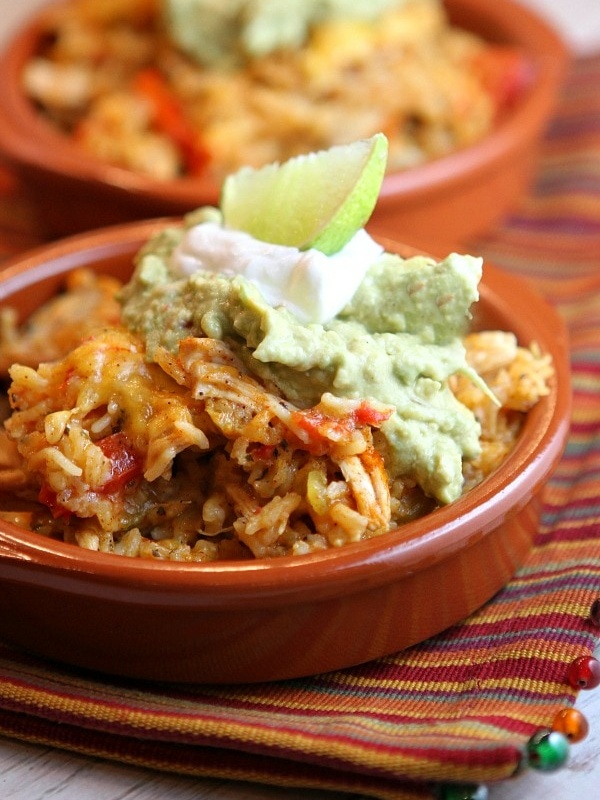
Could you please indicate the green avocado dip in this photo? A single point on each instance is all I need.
(225, 32)
(397, 340)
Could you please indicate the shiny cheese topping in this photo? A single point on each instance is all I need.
(313, 286)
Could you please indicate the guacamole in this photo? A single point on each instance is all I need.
(222, 32)
(398, 341)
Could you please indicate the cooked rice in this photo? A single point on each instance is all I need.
(87, 303)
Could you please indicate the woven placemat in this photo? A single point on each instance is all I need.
(459, 707)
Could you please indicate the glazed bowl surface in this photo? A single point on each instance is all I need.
(263, 620)
(451, 198)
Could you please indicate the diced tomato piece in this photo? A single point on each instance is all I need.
(263, 452)
(126, 463)
(322, 428)
(316, 424)
(506, 73)
(48, 497)
(365, 414)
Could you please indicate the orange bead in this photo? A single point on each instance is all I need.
(571, 723)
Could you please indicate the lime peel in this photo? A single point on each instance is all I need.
(318, 200)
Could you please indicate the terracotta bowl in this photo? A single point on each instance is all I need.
(454, 197)
(294, 616)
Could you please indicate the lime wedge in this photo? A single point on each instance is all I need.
(317, 200)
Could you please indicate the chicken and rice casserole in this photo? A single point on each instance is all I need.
(189, 456)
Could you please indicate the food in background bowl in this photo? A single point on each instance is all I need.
(175, 88)
(434, 204)
(262, 399)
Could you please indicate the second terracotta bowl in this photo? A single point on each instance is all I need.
(445, 201)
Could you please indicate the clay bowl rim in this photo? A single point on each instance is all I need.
(23, 129)
(374, 562)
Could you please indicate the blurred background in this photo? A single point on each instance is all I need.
(577, 20)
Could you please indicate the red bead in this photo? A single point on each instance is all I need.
(572, 724)
(595, 612)
(584, 673)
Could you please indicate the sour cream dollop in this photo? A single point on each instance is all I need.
(313, 286)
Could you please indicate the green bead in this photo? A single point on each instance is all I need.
(547, 750)
(462, 791)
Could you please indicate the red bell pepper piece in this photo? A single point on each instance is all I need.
(169, 118)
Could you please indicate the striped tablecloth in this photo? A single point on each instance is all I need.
(459, 707)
